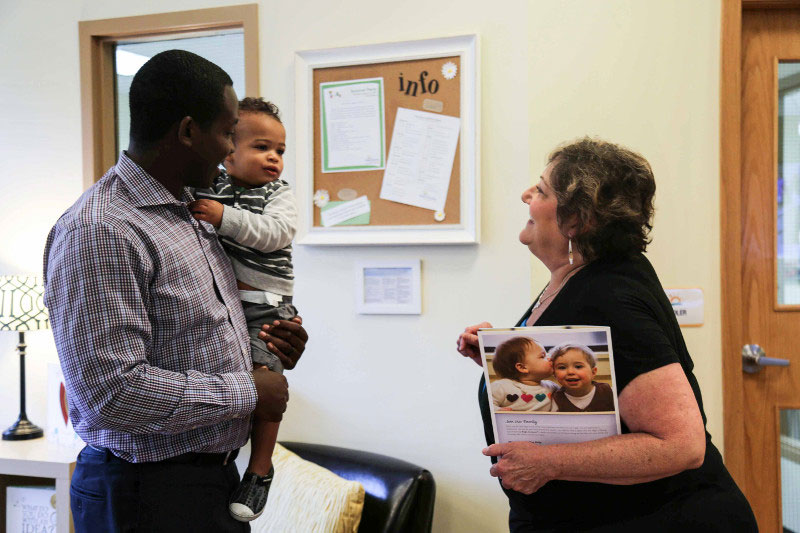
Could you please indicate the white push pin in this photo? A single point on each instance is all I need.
(321, 198)
(449, 70)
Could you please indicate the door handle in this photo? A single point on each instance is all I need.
(753, 358)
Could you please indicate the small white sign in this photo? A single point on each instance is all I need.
(388, 288)
(31, 509)
(688, 305)
(345, 211)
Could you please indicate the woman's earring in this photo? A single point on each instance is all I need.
(570, 252)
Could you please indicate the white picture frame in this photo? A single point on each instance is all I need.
(388, 287)
(467, 231)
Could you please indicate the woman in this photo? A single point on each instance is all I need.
(590, 217)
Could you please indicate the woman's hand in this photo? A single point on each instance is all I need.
(286, 339)
(521, 466)
(467, 343)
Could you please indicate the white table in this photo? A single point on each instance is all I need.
(38, 458)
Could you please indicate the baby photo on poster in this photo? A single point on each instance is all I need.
(550, 385)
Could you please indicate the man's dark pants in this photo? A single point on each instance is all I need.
(109, 494)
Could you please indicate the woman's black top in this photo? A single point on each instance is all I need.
(627, 296)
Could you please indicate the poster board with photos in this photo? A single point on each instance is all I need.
(523, 412)
(387, 149)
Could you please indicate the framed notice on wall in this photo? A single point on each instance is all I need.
(387, 149)
(388, 288)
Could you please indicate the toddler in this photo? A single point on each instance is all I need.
(575, 366)
(522, 364)
(256, 218)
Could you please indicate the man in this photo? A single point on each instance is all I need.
(147, 319)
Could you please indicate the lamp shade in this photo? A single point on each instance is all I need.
(22, 304)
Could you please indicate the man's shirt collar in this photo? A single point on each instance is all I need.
(143, 188)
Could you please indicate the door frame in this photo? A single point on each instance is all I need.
(96, 41)
(731, 222)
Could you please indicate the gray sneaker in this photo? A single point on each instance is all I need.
(248, 500)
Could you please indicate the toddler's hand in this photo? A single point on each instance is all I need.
(207, 210)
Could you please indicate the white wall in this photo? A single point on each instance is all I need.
(645, 74)
(641, 73)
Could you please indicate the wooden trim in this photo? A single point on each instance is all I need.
(730, 224)
(251, 57)
(770, 4)
(774, 176)
(777, 472)
(96, 42)
(95, 60)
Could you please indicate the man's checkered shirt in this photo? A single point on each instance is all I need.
(147, 322)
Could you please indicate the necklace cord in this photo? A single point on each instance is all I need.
(542, 298)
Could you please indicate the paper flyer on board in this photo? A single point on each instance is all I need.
(550, 384)
(420, 159)
(352, 125)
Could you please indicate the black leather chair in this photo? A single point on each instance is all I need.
(398, 496)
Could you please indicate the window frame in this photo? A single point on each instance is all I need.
(96, 41)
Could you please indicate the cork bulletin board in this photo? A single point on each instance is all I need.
(429, 81)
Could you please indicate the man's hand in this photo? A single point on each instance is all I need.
(286, 339)
(273, 393)
(207, 210)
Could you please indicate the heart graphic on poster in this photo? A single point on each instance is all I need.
(62, 395)
(511, 397)
(527, 397)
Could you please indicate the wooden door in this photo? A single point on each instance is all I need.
(757, 311)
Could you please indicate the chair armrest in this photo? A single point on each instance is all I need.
(399, 495)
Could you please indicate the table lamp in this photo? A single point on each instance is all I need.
(22, 309)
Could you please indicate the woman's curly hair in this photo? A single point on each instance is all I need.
(609, 191)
